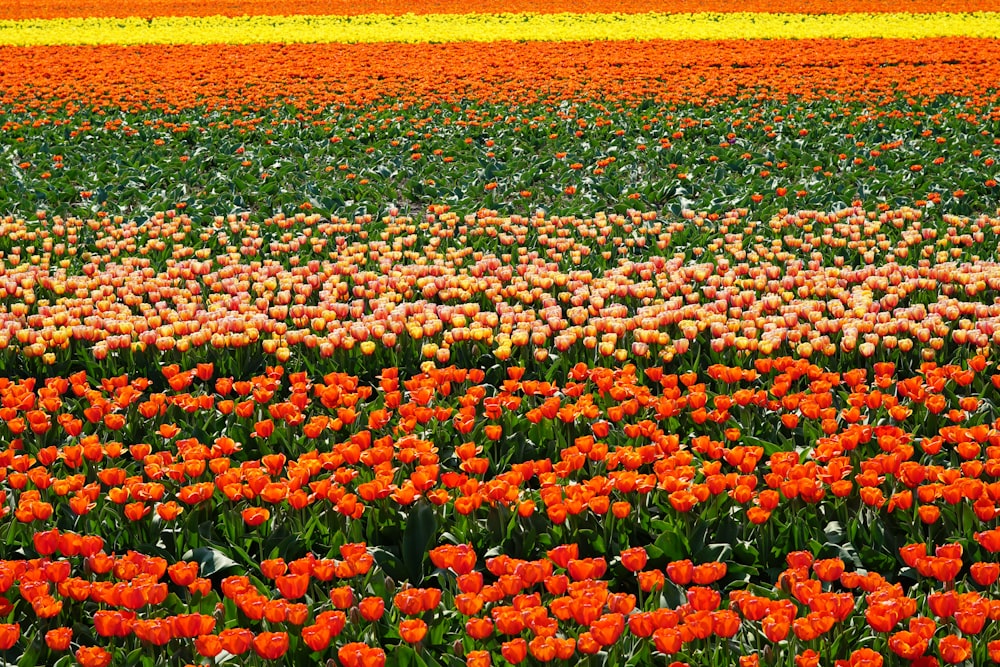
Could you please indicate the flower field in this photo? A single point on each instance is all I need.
(424, 334)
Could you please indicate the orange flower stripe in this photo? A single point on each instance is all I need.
(180, 77)
(880, 465)
(23, 9)
(544, 596)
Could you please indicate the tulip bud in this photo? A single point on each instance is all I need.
(220, 613)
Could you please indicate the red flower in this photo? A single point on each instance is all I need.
(680, 572)
(650, 580)
(865, 657)
(317, 637)
(478, 659)
(92, 656)
(943, 604)
(412, 630)
(807, 659)
(342, 597)
(46, 542)
(514, 651)
(907, 645)
(58, 639)
(586, 568)
(776, 627)
(985, 574)
(668, 640)
(460, 558)
(479, 628)
(563, 554)
(994, 650)
(703, 599)
(634, 559)
(263, 429)
(359, 654)
(254, 516)
(271, 645)
(829, 569)
(236, 640)
(334, 619)
(708, 573)
(110, 623)
(371, 608)
(192, 625)
(156, 631)
(989, 540)
(9, 634)
(183, 573)
(606, 629)
(955, 649)
(208, 645)
(725, 623)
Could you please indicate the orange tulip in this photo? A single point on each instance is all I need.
(183, 573)
(989, 540)
(479, 628)
(985, 574)
(371, 608)
(954, 649)
(865, 657)
(708, 573)
(703, 599)
(342, 597)
(9, 634)
(807, 658)
(192, 625)
(271, 645)
(461, 558)
(58, 639)
(650, 580)
(993, 649)
(542, 649)
(514, 651)
(255, 516)
(725, 623)
(667, 640)
(93, 656)
(908, 645)
(586, 568)
(412, 630)
(263, 429)
(292, 586)
(358, 654)
(156, 631)
(478, 659)
(929, 513)
(776, 628)
(607, 629)
(236, 640)
(634, 559)
(680, 572)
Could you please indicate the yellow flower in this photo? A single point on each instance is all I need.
(491, 27)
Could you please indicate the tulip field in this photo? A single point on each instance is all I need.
(440, 334)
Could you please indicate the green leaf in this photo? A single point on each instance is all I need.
(210, 561)
(421, 528)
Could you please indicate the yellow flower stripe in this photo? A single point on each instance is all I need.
(491, 27)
